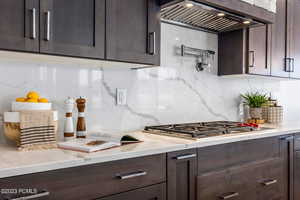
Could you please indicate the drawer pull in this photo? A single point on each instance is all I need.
(35, 196)
(271, 182)
(185, 156)
(131, 175)
(229, 196)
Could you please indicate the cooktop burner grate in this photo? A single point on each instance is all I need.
(199, 130)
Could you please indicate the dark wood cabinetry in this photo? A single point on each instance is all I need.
(74, 28)
(259, 50)
(182, 171)
(95, 181)
(19, 25)
(117, 30)
(156, 192)
(248, 170)
(133, 31)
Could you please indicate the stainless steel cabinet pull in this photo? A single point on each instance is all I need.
(48, 21)
(182, 157)
(131, 175)
(229, 196)
(33, 36)
(289, 65)
(35, 196)
(152, 47)
(271, 182)
(253, 58)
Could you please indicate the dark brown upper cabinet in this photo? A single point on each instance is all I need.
(73, 28)
(19, 25)
(133, 31)
(293, 38)
(259, 50)
(278, 30)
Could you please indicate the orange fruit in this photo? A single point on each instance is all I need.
(32, 101)
(33, 95)
(20, 99)
(43, 100)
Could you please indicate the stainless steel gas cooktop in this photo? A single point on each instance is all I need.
(202, 129)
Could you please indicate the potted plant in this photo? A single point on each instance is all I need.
(255, 101)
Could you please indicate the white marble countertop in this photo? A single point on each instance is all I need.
(15, 163)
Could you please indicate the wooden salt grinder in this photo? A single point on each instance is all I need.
(81, 126)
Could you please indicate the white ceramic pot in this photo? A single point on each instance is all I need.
(256, 113)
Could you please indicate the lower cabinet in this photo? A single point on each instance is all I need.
(156, 192)
(257, 181)
(297, 175)
(248, 170)
(181, 174)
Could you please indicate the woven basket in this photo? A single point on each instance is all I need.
(275, 115)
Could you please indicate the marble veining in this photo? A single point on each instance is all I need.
(172, 93)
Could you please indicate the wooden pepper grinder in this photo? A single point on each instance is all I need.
(69, 126)
(81, 126)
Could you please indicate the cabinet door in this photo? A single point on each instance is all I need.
(182, 172)
(156, 192)
(73, 27)
(297, 175)
(279, 41)
(259, 46)
(287, 155)
(133, 31)
(19, 25)
(293, 37)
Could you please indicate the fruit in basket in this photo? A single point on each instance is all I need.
(21, 99)
(32, 101)
(33, 95)
(43, 100)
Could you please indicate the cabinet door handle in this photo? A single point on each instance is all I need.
(152, 43)
(131, 175)
(253, 58)
(289, 65)
(182, 157)
(33, 12)
(268, 183)
(35, 196)
(229, 196)
(48, 21)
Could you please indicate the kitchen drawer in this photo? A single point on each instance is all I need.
(297, 142)
(155, 192)
(259, 181)
(220, 157)
(270, 181)
(95, 181)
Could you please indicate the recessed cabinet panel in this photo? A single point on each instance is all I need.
(279, 41)
(258, 51)
(19, 25)
(73, 27)
(293, 38)
(156, 192)
(133, 31)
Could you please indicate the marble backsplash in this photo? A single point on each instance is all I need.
(172, 93)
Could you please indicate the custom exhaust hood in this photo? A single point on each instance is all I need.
(200, 16)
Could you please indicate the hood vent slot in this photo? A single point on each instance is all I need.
(204, 17)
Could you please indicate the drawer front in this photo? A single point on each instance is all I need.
(156, 192)
(220, 157)
(225, 185)
(270, 181)
(297, 141)
(260, 181)
(94, 181)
